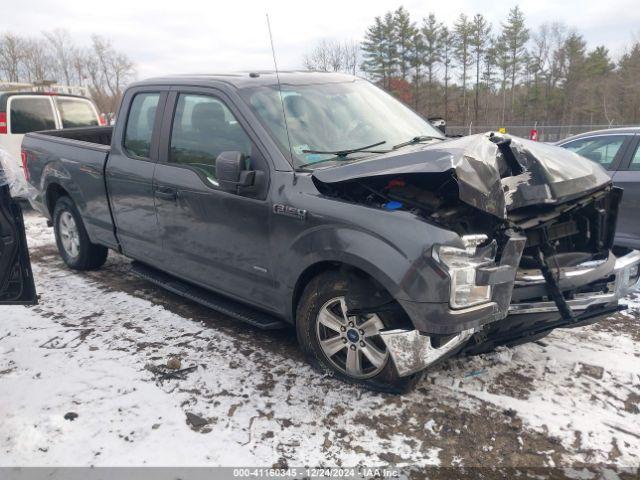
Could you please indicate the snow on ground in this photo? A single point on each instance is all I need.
(96, 344)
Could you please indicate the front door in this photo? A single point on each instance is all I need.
(214, 238)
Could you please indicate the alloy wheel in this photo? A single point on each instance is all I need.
(69, 234)
(351, 343)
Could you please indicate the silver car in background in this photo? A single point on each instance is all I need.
(617, 150)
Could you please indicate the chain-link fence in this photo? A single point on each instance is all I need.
(546, 133)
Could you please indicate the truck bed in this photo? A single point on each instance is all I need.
(96, 135)
(76, 158)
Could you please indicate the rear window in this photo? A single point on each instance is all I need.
(137, 138)
(31, 115)
(76, 113)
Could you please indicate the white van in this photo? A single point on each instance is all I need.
(23, 112)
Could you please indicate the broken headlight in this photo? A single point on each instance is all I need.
(461, 265)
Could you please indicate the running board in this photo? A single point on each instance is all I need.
(209, 299)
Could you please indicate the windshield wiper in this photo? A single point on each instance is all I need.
(340, 154)
(414, 140)
(344, 153)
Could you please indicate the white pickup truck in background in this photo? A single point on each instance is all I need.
(23, 112)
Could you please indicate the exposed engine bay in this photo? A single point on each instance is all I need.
(575, 231)
(433, 197)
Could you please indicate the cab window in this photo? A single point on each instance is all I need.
(142, 114)
(602, 149)
(203, 127)
(31, 114)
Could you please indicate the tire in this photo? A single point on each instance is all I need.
(72, 240)
(324, 296)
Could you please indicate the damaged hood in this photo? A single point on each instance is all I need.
(495, 173)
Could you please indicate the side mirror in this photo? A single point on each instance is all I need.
(440, 123)
(231, 172)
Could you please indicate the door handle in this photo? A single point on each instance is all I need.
(167, 193)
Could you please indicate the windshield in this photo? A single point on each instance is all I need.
(334, 117)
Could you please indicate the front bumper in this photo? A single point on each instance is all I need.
(599, 287)
(608, 285)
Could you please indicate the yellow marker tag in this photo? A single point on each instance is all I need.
(502, 130)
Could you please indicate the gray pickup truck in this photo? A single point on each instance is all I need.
(324, 203)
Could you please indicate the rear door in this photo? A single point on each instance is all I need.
(16, 280)
(628, 177)
(129, 172)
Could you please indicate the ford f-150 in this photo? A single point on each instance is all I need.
(322, 202)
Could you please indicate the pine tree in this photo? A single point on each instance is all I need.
(629, 77)
(379, 50)
(481, 30)
(417, 48)
(446, 41)
(515, 37)
(574, 71)
(373, 53)
(503, 62)
(488, 74)
(432, 33)
(462, 50)
(403, 32)
(390, 46)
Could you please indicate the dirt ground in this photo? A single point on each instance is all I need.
(96, 345)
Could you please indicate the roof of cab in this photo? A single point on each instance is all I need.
(250, 79)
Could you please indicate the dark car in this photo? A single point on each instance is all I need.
(618, 151)
(324, 203)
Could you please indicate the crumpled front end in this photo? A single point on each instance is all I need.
(560, 270)
(449, 328)
(528, 216)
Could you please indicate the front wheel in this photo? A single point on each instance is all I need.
(72, 240)
(349, 347)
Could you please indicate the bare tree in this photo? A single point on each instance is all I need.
(37, 60)
(319, 57)
(11, 56)
(351, 56)
(109, 72)
(55, 57)
(333, 56)
(62, 48)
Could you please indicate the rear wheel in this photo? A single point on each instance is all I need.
(72, 240)
(349, 347)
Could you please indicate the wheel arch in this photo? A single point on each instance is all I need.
(53, 193)
(322, 266)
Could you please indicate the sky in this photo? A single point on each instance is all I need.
(199, 36)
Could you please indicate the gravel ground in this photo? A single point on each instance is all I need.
(82, 382)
